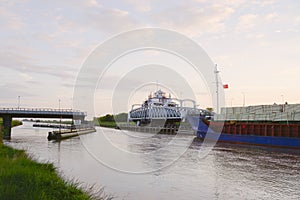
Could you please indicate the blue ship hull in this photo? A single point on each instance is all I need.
(203, 131)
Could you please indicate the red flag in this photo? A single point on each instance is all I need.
(225, 86)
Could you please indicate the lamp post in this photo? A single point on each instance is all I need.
(60, 115)
(19, 102)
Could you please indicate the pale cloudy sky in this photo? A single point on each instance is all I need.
(43, 44)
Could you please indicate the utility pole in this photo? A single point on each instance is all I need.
(60, 116)
(217, 86)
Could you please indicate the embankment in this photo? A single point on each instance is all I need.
(22, 178)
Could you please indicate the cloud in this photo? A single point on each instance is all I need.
(92, 3)
(246, 22)
(90, 16)
(10, 20)
(297, 20)
(12, 90)
(271, 16)
(263, 3)
(25, 64)
(194, 20)
(106, 20)
(234, 3)
(140, 5)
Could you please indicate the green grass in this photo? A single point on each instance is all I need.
(1, 133)
(16, 123)
(22, 178)
(109, 120)
(108, 124)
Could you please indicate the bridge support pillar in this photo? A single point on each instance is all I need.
(79, 118)
(7, 127)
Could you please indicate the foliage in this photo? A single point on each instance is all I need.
(110, 120)
(210, 109)
(108, 124)
(1, 131)
(16, 123)
(122, 117)
(107, 118)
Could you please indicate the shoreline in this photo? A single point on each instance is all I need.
(24, 178)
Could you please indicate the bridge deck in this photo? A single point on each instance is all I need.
(40, 112)
(8, 113)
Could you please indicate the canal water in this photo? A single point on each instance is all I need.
(133, 165)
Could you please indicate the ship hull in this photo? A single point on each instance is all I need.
(204, 131)
(280, 142)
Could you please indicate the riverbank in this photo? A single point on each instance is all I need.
(22, 178)
(109, 120)
(107, 124)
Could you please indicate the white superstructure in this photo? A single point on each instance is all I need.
(161, 106)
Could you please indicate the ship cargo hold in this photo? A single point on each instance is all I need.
(265, 125)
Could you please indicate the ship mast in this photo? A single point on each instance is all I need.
(217, 86)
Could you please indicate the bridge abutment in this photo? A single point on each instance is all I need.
(81, 118)
(8, 113)
(7, 119)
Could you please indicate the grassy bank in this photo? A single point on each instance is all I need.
(22, 178)
(1, 131)
(16, 123)
(109, 121)
(108, 124)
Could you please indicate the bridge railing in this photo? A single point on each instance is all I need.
(42, 110)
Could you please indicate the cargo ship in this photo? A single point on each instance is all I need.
(263, 125)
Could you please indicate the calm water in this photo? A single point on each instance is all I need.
(144, 166)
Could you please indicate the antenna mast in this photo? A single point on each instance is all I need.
(217, 86)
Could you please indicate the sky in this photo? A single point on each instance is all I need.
(43, 45)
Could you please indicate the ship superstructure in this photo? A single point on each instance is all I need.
(160, 107)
